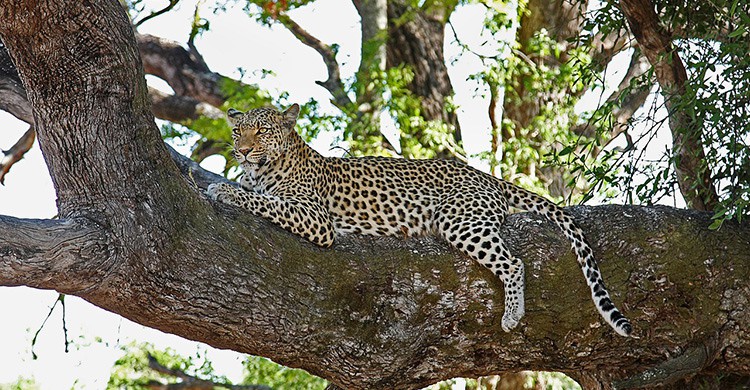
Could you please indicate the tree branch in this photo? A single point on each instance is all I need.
(172, 4)
(693, 174)
(180, 109)
(186, 73)
(70, 256)
(12, 94)
(192, 171)
(369, 313)
(333, 83)
(628, 99)
(13, 99)
(16, 152)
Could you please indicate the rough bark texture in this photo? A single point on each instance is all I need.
(174, 108)
(12, 94)
(137, 238)
(693, 174)
(180, 109)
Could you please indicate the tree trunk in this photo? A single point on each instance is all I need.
(136, 238)
(415, 39)
(562, 21)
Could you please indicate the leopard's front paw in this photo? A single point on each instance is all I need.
(219, 191)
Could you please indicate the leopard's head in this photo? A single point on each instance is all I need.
(261, 135)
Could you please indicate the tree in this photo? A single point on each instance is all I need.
(136, 237)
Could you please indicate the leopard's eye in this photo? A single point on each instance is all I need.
(235, 131)
(263, 130)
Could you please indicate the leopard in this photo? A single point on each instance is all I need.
(320, 198)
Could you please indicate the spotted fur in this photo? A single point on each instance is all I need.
(317, 198)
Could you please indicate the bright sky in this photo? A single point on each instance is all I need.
(234, 41)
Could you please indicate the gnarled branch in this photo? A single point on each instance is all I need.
(69, 256)
(16, 152)
(180, 109)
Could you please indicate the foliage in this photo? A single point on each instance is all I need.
(550, 381)
(533, 380)
(716, 100)
(132, 371)
(417, 137)
(262, 370)
(20, 384)
(538, 72)
(719, 100)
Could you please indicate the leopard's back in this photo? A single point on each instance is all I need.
(391, 197)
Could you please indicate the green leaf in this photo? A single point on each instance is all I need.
(567, 150)
(733, 8)
(739, 31)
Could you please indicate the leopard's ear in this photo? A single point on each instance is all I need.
(290, 116)
(233, 115)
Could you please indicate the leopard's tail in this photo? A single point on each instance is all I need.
(525, 200)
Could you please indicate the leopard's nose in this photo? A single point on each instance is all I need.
(244, 151)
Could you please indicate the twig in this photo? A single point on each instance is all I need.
(333, 84)
(61, 299)
(172, 4)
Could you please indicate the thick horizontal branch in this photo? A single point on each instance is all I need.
(369, 313)
(394, 313)
(193, 172)
(64, 255)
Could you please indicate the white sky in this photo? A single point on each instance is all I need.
(233, 41)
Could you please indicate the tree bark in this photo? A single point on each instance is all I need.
(137, 238)
(174, 108)
(184, 71)
(180, 109)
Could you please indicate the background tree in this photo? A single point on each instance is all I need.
(79, 201)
